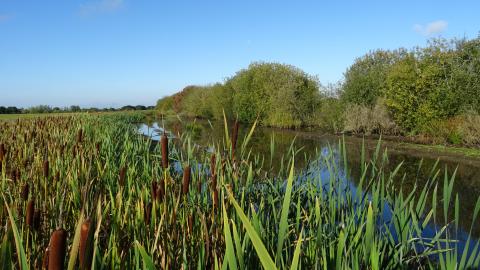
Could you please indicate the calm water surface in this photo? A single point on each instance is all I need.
(313, 144)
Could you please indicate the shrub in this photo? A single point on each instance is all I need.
(368, 120)
(469, 128)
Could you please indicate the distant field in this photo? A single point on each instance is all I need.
(7, 117)
(31, 115)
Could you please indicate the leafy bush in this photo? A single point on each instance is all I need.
(365, 80)
(276, 94)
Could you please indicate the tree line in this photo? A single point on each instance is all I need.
(73, 108)
(431, 92)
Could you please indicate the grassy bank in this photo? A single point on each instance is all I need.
(98, 195)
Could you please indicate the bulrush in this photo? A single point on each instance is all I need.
(213, 162)
(80, 136)
(215, 198)
(29, 217)
(24, 193)
(148, 213)
(190, 224)
(37, 220)
(57, 250)
(154, 190)
(45, 259)
(186, 179)
(86, 248)
(123, 172)
(161, 190)
(46, 168)
(2, 152)
(234, 138)
(164, 143)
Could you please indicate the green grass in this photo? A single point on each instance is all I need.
(453, 150)
(100, 168)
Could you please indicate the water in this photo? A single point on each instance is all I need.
(313, 144)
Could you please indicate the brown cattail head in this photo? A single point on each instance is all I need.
(213, 162)
(86, 247)
(29, 217)
(37, 220)
(46, 168)
(123, 172)
(234, 138)
(215, 198)
(186, 179)
(154, 190)
(161, 190)
(57, 250)
(2, 152)
(190, 224)
(17, 174)
(24, 193)
(164, 143)
(148, 213)
(80, 136)
(45, 259)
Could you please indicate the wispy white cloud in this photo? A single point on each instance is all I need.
(100, 6)
(432, 28)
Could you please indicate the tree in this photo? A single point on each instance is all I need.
(365, 80)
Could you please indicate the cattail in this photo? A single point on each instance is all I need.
(190, 224)
(234, 138)
(154, 190)
(164, 143)
(2, 152)
(161, 190)
(80, 136)
(57, 250)
(86, 249)
(148, 213)
(46, 168)
(186, 179)
(45, 259)
(37, 220)
(29, 217)
(215, 198)
(24, 193)
(123, 172)
(213, 162)
(17, 174)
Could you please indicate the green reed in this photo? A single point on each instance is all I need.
(107, 198)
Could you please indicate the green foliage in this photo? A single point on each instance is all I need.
(365, 80)
(421, 86)
(276, 94)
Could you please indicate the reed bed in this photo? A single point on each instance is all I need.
(88, 192)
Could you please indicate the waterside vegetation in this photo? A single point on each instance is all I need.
(89, 192)
(431, 94)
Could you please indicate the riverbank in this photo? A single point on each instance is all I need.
(415, 146)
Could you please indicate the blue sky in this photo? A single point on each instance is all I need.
(117, 52)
